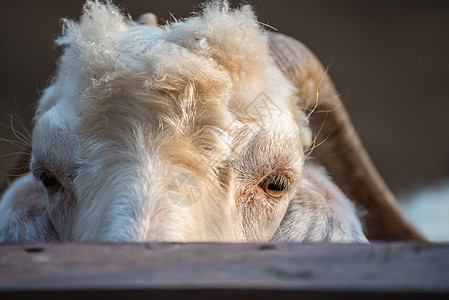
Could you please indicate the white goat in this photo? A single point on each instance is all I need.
(185, 132)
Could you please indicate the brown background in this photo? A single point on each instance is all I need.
(389, 60)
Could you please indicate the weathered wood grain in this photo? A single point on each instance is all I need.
(171, 270)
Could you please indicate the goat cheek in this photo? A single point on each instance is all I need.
(60, 210)
(259, 216)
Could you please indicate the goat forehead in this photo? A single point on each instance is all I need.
(213, 50)
(184, 86)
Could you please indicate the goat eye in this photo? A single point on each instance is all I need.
(274, 188)
(49, 180)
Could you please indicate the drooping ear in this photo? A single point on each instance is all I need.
(319, 211)
(341, 151)
(23, 213)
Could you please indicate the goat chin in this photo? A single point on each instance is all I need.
(186, 132)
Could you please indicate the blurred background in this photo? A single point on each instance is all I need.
(388, 59)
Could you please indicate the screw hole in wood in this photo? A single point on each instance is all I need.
(34, 250)
(266, 247)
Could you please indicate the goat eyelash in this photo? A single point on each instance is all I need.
(44, 175)
(275, 185)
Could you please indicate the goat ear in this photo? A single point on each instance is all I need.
(340, 150)
(23, 213)
(319, 211)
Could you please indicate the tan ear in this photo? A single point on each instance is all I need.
(319, 211)
(24, 215)
(340, 150)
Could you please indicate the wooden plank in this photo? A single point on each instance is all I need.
(249, 270)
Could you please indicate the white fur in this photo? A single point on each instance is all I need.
(155, 133)
(428, 209)
(24, 217)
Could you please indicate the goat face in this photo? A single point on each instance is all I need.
(187, 132)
